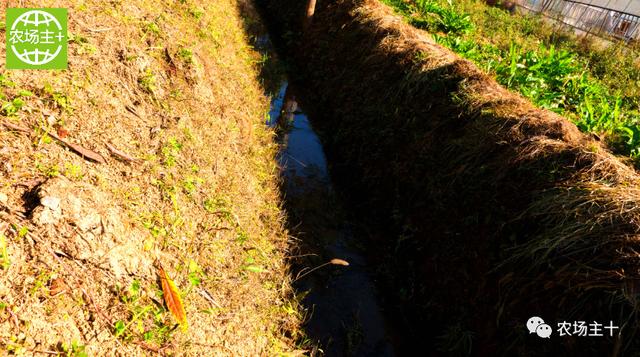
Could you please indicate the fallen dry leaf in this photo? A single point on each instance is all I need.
(62, 132)
(337, 261)
(172, 297)
(57, 286)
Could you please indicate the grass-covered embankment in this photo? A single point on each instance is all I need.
(491, 210)
(594, 85)
(168, 94)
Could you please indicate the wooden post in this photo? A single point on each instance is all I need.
(311, 9)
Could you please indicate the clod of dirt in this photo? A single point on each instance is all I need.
(87, 228)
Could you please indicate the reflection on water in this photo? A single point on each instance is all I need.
(345, 315)
(302, 155)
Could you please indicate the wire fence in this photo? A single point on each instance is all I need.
(592, 17)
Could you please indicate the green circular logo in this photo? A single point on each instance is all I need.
(36, 37)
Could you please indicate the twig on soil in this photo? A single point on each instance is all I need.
(96, 309)
(132, 110)
(209, 298)
(15, 127)
(46, 352)
(120, 154)
(14, 318)
(84, 152)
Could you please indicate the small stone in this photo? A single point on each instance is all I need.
(46, 216)
(89, 222)
(51, 202)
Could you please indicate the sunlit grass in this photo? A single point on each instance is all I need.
(596, 88)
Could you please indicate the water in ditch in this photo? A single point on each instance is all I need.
(344, 312)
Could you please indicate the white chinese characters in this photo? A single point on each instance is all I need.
(584, 329)
(35, 37)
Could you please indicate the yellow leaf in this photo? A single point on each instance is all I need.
(172, 297)
(337, 261)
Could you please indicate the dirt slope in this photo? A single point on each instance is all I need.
(172, 85)
(490, 210)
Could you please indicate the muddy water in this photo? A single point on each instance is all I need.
(345, 316)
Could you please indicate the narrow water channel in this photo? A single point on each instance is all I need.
(344, 312)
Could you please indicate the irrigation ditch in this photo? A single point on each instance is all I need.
(331, 273)
(480, 209)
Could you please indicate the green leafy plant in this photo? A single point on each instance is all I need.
(553, 78)
(4, 257)
(597, 89)
(431, 14)
(74, 349)
(147, 81)
(12, 107)
(170, 152)
(186, 55)
(146, 318)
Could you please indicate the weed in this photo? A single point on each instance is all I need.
(217, 206)
(40, 283)
(146, 318)
(242, 237)
(58, 99)
(152, 28)
(147, 81)
(186, 55)
(73, 171)
(170, 152)
(196, 12)
(22, 231)
(190, 184)
(176, 94)
(354, 334)
(571, 80)
(74, 349)
(154, 229)
(430, 14)
(4, 257)
(195, 273)
(5, 82)
(76, 38)
(12, 107)
(25, 93)
(49, 171)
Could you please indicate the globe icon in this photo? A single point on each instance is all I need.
(36, 22)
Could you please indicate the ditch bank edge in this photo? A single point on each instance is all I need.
(493, 210)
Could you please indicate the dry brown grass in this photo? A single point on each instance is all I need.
(173, 84)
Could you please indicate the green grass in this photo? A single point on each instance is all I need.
(4, 257)
(186, 55)
(146, 316)
(596, 88)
